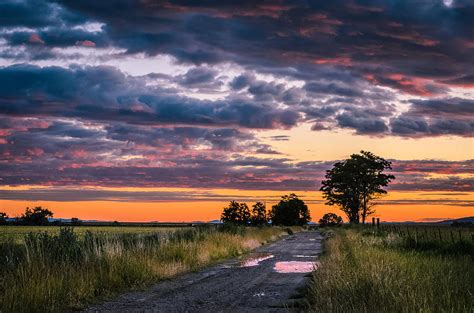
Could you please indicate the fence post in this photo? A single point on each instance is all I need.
(378, 222)
(373, 221)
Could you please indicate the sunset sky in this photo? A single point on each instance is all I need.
(166, 110)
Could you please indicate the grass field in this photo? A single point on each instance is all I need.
(18, 233)
(64, 269)
(405, 269)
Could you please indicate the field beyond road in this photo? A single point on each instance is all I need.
(18, 233)
(395, 269)
(64, 270)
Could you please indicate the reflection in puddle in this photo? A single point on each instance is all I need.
(259, 294)
(254, 260)
(295, 267)
(305, 256)
(267, 294)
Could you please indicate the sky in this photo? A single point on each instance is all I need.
(166, 110)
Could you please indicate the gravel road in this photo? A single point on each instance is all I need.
(269, 279)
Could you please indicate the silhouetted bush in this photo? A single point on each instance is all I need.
(75, 221)
(330, 219)
(3, 218)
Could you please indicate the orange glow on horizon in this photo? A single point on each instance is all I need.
(397, 207)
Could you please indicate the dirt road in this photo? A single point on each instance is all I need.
(268, 280)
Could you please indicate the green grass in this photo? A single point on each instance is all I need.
(369, 271)
(64, 270)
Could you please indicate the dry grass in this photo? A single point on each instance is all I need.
(364, 272)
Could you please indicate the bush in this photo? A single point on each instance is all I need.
(3, 218)
(330, 219)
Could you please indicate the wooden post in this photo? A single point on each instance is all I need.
(373, 221)
(378, 222)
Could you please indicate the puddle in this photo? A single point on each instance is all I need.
(295, 267)
(305, 256)
(254, 260)
(312, 239)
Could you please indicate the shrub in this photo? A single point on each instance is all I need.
(330, 219)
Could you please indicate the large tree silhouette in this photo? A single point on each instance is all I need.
(355, 183)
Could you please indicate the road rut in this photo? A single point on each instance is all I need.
(267, 280)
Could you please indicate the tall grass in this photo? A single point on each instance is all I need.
(57, 272)
(18, 232)
(366, 271)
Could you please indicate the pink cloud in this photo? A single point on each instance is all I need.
(86, 43)
(35, 38)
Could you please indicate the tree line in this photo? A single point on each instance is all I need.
(37, 216)
(353, 185)
(290, 211)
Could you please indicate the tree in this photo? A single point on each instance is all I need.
(3, 218)
(330, 219)
(355, 183)
(36, 216)
(236, 213)
(259, 214)
(76, 221)
(290, 211)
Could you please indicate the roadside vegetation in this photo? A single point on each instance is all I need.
(395, 269)
(44, 272)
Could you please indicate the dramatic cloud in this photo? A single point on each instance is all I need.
(175, 93)
(436, 117)
(106, 94)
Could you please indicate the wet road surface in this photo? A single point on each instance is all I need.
(267, 280)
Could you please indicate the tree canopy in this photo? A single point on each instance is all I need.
(3, 218)
(259, 214)
(236, 213)
(36, 216)
(239, 214)
(290, 211)
(355, 183)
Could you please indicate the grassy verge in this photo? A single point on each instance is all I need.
(56, 272)
(364, 271)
